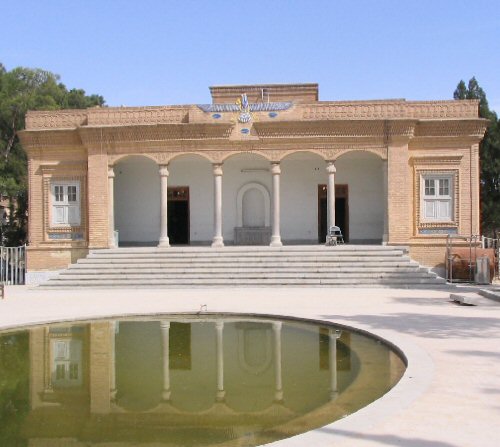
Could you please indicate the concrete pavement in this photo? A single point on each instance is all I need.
(448, 397)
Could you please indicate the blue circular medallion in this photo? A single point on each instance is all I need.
(216, 116)
(245, 130)
(273, 114)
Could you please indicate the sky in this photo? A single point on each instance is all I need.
(153, 52)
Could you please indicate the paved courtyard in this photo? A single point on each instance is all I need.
(449, 396)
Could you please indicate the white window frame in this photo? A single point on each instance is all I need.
(65, 203)
(437, 198)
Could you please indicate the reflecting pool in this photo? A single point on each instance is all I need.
(184, 380)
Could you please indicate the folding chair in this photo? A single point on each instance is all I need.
(334, 236)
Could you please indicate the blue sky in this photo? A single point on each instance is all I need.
(154, 52)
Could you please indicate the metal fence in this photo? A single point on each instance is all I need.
(12, 265)
(494, 243)
(471, 244)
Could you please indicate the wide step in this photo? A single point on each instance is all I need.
(346, 265)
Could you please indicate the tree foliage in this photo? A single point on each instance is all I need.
(23, 89)
(489, 155)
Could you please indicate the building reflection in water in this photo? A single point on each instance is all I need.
(184, 380)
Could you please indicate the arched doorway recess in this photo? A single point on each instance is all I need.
(362, 173)
(136, 201)
(246, 200)
(190, 200)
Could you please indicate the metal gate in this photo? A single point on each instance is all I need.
(12, 265)
(471, 244)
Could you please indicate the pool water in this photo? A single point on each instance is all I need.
(184, 380)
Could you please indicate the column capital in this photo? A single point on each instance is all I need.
(164, 170)
(165, 324)
(111, 171)
(275, 168)
(217, 167)
(330, 167)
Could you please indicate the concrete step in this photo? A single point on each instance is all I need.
(241, 283)
(244, 275)
(246, 267)
(151, 269)
(246, 261)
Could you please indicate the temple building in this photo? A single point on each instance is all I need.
(260, 165)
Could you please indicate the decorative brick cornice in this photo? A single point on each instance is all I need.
(49, 138)
(56, 119)
(391, 109)
(161, 132)
(126, 116)
(437, 159)
(105, 116)
(335, 128)
(452, 128)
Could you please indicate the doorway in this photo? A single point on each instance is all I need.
(341, 211)
(178, 215)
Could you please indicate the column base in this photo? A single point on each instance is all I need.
(278, 396)
(334, 395)
(164, 242)
(276, 241)
(221, 396)
(385, 239)
(165, 395)
(218, 241)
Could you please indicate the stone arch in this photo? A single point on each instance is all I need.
(266, 202)
(175, 156)
(259, 154)
(288, 154)
(118, 158)
(379, 152)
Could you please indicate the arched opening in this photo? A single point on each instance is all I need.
(136, 201)
(362, 174)
(246, 200)
(253, 208)
(190, 200)
(301, 175)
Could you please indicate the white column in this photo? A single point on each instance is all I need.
(330, 169)
(111, 208)
(221, 394)
(165, 338)
(278, 382)
(112, 349)
(164, 241)
(385, 236)
(276, 236)
(217, 241)
(334, 334)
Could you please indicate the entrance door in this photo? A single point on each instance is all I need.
(178, 215)
(341, 211)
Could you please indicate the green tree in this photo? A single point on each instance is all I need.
(23, 89)
(489, 155)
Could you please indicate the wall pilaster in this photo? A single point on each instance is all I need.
(399, 193)
(98, 196)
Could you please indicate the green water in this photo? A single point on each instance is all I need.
(184, 381)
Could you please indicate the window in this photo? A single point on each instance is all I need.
(66, 203)
(437, 198)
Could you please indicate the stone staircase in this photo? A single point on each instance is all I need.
(249, 266)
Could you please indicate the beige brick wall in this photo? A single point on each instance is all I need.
(52, 257)
(100, 373)
(98, 199)
(429, 254)
(399, 193)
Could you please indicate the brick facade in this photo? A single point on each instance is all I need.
(414, 137)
